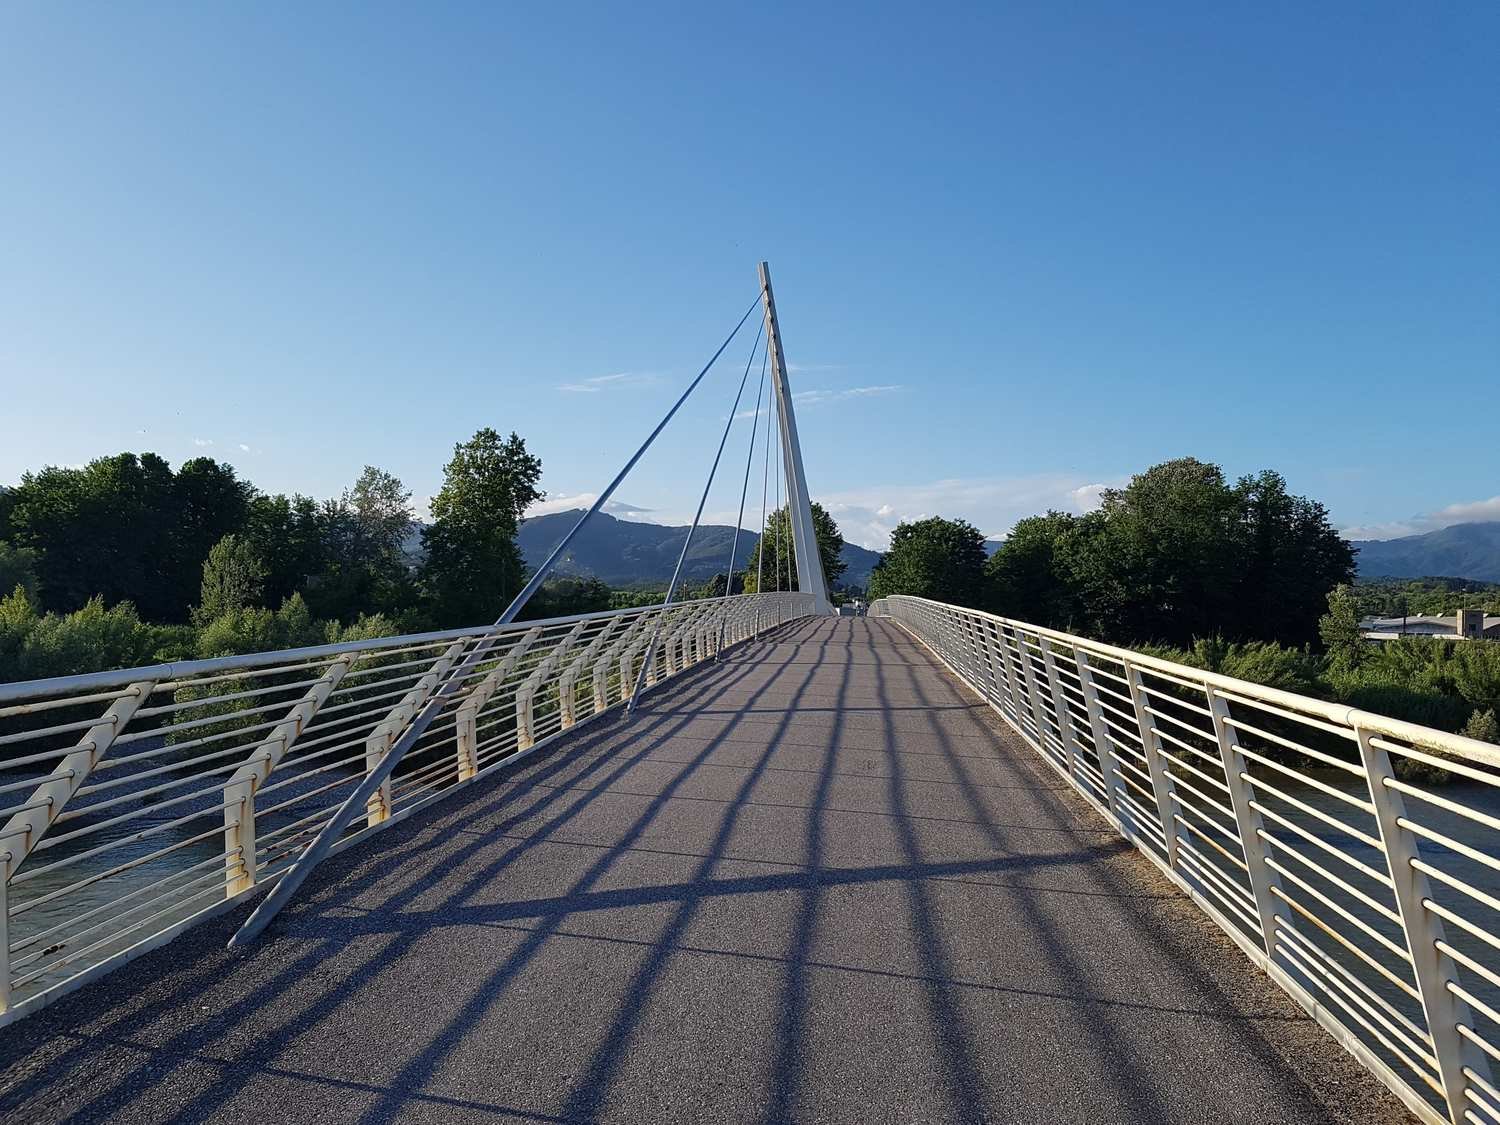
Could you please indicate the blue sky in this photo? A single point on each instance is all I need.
(1020, 251)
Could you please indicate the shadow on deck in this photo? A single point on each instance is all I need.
(817, 881)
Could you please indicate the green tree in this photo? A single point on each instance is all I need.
(381, 508)
(209, 502)
(1288, 556)
(473, 565)
(91, 639)
(17, 569)
(1339, 629)
(563, 597)
(125, 528)
(104, 529)
(1028, 577)
(363, 535)
(233, 579)
(1177, 554)
(780, 556)
(1157, 561)
(286, 534)
(933, 558)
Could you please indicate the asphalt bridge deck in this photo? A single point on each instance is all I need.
(817, 881)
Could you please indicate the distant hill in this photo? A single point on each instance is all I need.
(1465, 550)
(626, 553)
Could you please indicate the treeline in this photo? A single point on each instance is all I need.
(125, 561)
(1423, 597)
(1241, 578)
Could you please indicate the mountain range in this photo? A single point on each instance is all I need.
(627, 553)
(1464, 550)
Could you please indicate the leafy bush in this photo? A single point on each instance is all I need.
(17, 568)
(1259, 662)
(1402, 701)
(1483, 726)
(36, 645)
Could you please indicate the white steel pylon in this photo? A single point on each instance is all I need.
(810, 577)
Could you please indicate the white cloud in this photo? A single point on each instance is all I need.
(1088, 497)
(1471, 511)
(619, 380)
(244, 448)
(200, 442)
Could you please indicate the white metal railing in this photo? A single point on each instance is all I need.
(1319, 837)
(135, 803)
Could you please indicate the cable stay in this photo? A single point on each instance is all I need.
(693, 530)
(739, 520)
(316, 851)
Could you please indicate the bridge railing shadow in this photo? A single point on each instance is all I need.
(1023, 843)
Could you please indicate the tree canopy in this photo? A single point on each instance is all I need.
(934, 558)
(473, 566)
(125, 528)
(1177, 554)
(233, 579)
(779, 557)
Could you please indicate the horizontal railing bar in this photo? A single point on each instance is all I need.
(1475, 815)
(1342, 717)
(1389, 1014)
(1317, 841)
(1295, 747)
(53, 685)
(1349, 946)
(1423, 1066)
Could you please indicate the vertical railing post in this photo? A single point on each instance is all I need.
(607, 660)
(24, 830)
(1161, 779)
(966, 655)
(1103, 746)
(1011, 686)
(1264, 881)
(628, 655)
(478, 698)
(1061, 709)
(979, 662)
(992, 662)
(567, 686)
(240, 859)
(5, 858)
(957, 649)
(675, 648)
(383, 737)
(1033, 695)
(526, 693)
(1432, 968)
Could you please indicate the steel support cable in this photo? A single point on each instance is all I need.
(316, 851)
(776, 526)
(765, 484)
(790, 538)
(688, 542)
(744, 488)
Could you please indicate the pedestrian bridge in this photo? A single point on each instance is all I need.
(736, 859)
(910, 867)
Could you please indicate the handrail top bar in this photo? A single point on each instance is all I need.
(53, 685)
(1470, 748)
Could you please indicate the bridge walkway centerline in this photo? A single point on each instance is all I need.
(879, 906)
